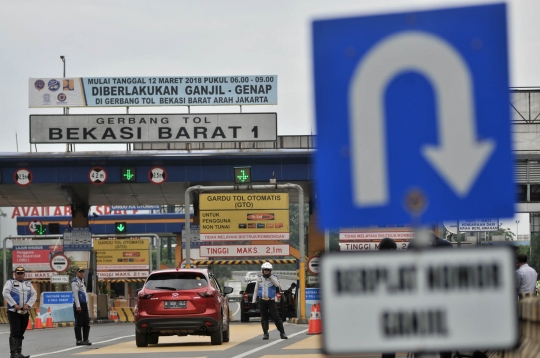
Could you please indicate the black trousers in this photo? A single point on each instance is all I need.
(82, 322)
(269, 307)
(82, 319)
(17, 324)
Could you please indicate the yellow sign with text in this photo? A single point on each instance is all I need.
(122, 257)
(244, 221)
(244, 201)
(121, 244)
(122, 254)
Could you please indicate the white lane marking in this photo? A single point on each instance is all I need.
(238, 309)
(77, 347)
(263, 347)
(5, 332)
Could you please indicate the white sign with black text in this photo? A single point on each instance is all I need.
(60, 279)
(155, 128)
(432, 300)
(59, 263)
(244, 250)
(479, 225)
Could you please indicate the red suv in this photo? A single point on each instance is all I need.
(182, 302)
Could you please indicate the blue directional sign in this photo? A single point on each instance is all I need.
(413, 119)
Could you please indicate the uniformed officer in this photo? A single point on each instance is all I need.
(265, 291)
(20, 295)
(80, 309)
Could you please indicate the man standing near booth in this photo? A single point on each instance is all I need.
(80, 309)
(20, 295)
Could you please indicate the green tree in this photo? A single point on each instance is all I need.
(9, 264)
(534, 259)
(508, 234)
(523, 249)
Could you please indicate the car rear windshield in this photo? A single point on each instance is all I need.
(177, 281)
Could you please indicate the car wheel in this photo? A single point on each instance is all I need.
(244, 317)
(141, 339)
(217, 336)
(153, 339)
(226, 334)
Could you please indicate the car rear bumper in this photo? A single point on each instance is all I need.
(176, 325)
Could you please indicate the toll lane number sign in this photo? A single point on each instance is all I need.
(435, 300)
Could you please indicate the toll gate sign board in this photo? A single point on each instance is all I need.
(119, 254)
(244, 216)
(152, 91)
(154, 128)
(430, 301)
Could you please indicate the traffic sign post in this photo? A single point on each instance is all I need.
(313, 265)
(157, 175)
(23, 177)
(59, 263)
(97, 176)
(430, 301)
(413, 113)
(34, 226)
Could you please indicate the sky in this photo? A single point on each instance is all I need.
(196, 38)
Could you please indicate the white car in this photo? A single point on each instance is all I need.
(251, 276)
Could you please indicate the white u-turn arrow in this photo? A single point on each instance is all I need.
(458, 158)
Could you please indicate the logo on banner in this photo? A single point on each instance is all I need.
(22, 177)
(157, 175)
(53, 85)
(62, 97)
(97, 176)
(39, 85)
(68, 85)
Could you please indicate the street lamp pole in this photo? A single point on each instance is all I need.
(517, 229)
(2, 215)
(63, 58)
(66, 111)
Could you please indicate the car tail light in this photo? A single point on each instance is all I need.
(208, 323)
(278, 297)
(245, 297)
(145, 296)
(209, 293)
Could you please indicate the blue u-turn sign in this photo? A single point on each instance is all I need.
(413, 119)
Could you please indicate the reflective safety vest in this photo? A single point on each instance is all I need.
(79, 291)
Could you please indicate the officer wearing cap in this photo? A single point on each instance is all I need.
(20, 295)
(80, 309)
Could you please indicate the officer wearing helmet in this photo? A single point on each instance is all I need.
(265, 291)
